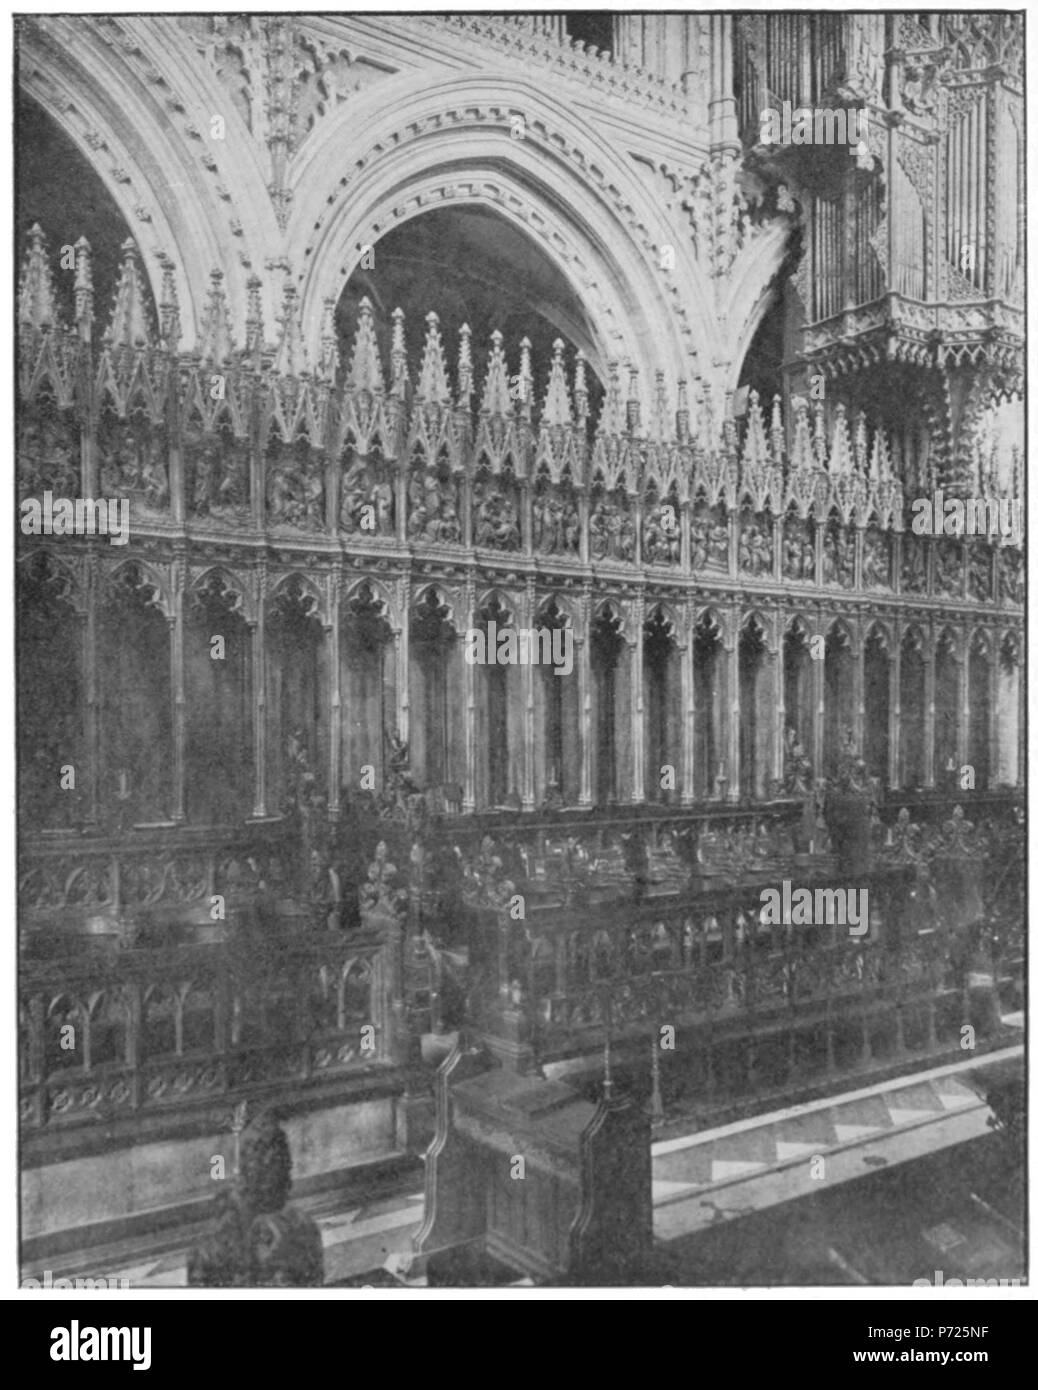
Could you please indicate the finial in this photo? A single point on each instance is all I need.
(365, 369)
(214, 343)
(398, 355)
(465, 375)
(557, 410)
(130, 324)
(37, 306)
(496, 395)
(580, 392)
(253, 317)
(169, 309)
(432, 386)
(291, 356)
(328, 363)
(634, 407)
(84, 288)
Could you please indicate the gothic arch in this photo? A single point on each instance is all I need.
(797, 623)
(915, 635)
(129, 105)
(714, 618)
(617, 611)
(381, 593)
(447, 597)
(161, 597)
(564, 605)
(752, 289)
(841, 627)
(509, 602)
(235, 583)
(763, 623)
(879, 629)
(308, 587)
(669, 615)
(562, 184)
(72, 576)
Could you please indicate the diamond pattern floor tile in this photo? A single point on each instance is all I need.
(723, 1170)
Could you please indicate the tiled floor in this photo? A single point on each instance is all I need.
(704, 1178)
(755, 1164)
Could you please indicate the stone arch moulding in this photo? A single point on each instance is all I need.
(567, 608)
(917, 637)
(764, 623)
(381, 593)
(509, 602)
(236, 584)
(753, 286)
(714, 622)
(446, 596)
(880, 630)
(71, 570)
(846, 629)
(310, 588)
(397, 152)
(670, 615)
(149, 163)
(618, 610)
(161, 597)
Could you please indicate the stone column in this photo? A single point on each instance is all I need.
(724, 129)
(91, 725)
(583, 643)
(778, 723)
(526, 515)
(992, 729)
(400, 486)
(332, 633)
(175, 463)
(257, 469)
(469, 673)
(858, 694)
(894, 714)
(688, 709)
(637, 657)
(929, 711)
(528, 791)
(466, 511)
(401, 641)
(259, 698)
(85, 382)
(1021, 715)
(962, 742)
(178, 571)
(733, 692)
(818, 729)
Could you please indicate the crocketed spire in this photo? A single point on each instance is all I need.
(496, 398)
(291, 358)
(557, 409)
(215, 342)
(37, 302)
(365, 371)
(130, 324)
(432, 386)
